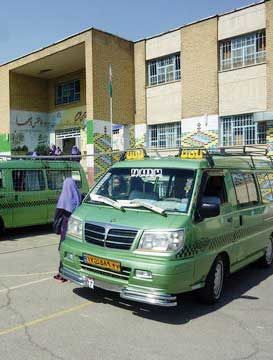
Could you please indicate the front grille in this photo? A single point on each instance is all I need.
(114, 237)
(124, 274)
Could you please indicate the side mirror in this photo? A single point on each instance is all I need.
(209, 210)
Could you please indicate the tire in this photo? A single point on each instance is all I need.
(214, 285)
(267, 259)
(2, 228)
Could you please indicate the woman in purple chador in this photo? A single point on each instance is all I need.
(69, 200)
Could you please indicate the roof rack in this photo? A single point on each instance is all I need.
(250, 151)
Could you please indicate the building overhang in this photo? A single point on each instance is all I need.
(57, 64)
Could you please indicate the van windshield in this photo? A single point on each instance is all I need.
(166, 189)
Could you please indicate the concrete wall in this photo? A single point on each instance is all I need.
(164, 103)
(4, 101)
(140, 82)
(106, 50)
(163, 45)
(242, 90)
(269, 53)
(199, 69)
(4, 112)
(242, 22)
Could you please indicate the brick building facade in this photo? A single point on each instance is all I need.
(207, 83)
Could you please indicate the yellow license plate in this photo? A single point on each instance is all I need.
(103, 263)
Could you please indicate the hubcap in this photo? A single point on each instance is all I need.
(269, 253)
(218, 279)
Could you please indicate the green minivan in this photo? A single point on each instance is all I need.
(29, 189)
(153, 228)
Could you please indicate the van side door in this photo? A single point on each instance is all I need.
(213, 234)
(248, 217)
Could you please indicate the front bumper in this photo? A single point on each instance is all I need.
(128, 293)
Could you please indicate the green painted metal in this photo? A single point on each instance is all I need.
(188, 268)
(90, 131)
(4, 143)
(25, 208)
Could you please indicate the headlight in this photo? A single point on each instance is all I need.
(162, 241)
(74, 227)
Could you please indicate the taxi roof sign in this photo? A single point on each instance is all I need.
(192, 154)
(135, 154)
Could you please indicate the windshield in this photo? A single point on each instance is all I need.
(168, 189)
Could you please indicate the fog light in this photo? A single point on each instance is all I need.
(69, 256)
(143, 274)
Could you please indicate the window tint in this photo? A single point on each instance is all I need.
(28, 180)
(265, 182)
(245, 188)
(55, 178)
(215, 190)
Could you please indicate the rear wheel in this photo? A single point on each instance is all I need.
(2, 228)
(267, 259)
(213, 289)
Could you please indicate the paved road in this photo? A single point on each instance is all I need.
(42, 319)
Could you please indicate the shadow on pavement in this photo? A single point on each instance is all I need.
(20, 233)
(189, 308)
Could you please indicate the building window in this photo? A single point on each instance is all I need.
(164, 70)
(68, 92)
(242, 130)
(165, 135)
(243, 51)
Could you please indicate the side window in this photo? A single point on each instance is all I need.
(28, 180)
(266, 186)
(55, 178)
(215, 190)
(251, 188)
(245, 188)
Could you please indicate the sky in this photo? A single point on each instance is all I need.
(27, 25)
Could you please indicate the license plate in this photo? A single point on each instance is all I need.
(102, 263)
(90, 283)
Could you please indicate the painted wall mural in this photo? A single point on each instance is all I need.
(31, 129)
(200, 132)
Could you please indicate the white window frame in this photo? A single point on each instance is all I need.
(164, 136)
(242, 130)
(242, 51)
(164, 70)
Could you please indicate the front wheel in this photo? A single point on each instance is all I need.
(267, 259)
(213, 289)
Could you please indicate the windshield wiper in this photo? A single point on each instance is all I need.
(151, 207)
(106, 200)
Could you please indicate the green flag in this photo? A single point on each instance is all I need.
(110, 87)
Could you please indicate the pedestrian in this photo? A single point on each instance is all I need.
(69, 200)
(52, 151)
(58, 151)
(75, 151)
